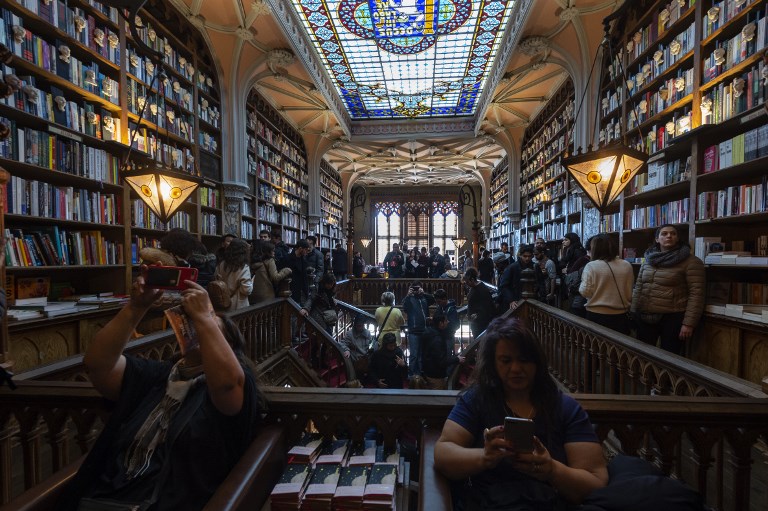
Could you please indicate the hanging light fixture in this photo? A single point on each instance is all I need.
(358, 199)
(603, 173)
(161, 188)
(459, 241)
(365, 241)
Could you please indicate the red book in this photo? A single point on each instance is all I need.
(710, 159)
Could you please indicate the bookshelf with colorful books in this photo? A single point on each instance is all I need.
(331, 227)
(80, 82)
(702, 120)
(549, 211)
(499, 198)
(278, 177)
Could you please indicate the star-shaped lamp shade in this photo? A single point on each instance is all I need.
(459, 242)
(365, 241)
(604, 173)
(163, 191)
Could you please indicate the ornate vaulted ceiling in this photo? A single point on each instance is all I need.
(545, 41)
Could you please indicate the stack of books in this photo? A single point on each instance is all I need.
(307, 450)
(379, 491)
(351, 488)
(333, 452)
(34, 308)
(363, 453)
(322, 487)
(289, 490)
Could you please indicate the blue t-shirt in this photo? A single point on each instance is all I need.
(571, 423)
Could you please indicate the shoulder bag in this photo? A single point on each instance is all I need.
(618, 291)
(383, 325)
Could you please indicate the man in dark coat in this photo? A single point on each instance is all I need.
(281, 250)
(315, 258)
(339, 262)
(297, 262)
(510, 285)
(437, 265)
(393, 262)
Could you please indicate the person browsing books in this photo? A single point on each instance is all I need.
(178, 426)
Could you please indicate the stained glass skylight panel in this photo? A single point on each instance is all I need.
(392, 59)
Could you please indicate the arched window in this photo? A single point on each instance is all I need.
(445, 227)
(387, 228)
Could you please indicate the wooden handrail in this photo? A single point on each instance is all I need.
(584, 357)
(699, 439)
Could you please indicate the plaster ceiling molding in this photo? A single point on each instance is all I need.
(292, 27)
(513, 33)
(569, 14)
(457, 127)
(280, 58)
(534, 45)
(197, 20)
(245, 34)
(259, 8)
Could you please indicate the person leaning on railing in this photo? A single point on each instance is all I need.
(511, 380)
(177, 427)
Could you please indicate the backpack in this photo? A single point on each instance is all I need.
(219, 294)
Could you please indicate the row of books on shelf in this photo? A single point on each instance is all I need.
(149, 36)
(246, 230)
(143, 217)
(55, 56)
(210, 197)
(280, 142)
(160, 112)
(649, 34)
(209, 223)
(674, 212)
(144, 69)
(37, 308)
(41, 199)
(208, 141)
(750, 312)
(157, 148)
(721, 13)
(52, 106)
(78, 23)
(742, 148)
(733, 201)
(727, 54)
(661, 173)
(663, 134)
(52, 246)
(670, 91)
(664, 56)
(726, 100)
(58, 152)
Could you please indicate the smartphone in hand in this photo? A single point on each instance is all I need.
(168, 277)
(520, 432)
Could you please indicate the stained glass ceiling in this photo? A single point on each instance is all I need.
(391, 59)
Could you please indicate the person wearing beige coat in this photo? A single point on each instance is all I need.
(668, 298)
(266, 277)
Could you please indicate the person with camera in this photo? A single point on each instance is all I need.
(416, 307)
(437, 359)
(393, 262)
(321, 306)
(387, 368)
(177, 426)
(565, 459)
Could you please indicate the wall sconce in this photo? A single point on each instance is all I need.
(467, 198)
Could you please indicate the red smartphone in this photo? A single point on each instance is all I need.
(520, 432)
(168, 277)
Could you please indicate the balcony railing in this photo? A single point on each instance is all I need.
(711, 443)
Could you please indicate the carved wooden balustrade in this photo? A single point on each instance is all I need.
(708, 442)
(586, 357)
(371, 289)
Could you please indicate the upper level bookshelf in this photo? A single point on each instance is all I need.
(549, 206)
(331, 228)
(696, 72)
(501, 226)
(82, 84)
(277, 173)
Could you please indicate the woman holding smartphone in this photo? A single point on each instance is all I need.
(511, 380)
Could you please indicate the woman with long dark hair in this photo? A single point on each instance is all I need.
(511, 380)
(668, 298)
(573, 250)
(235, 271)
(266, 277)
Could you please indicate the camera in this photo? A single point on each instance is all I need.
(168, 277)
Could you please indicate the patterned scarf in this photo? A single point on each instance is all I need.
(659, 259)
(153, 432)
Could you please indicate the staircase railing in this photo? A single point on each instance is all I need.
(586, 357)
